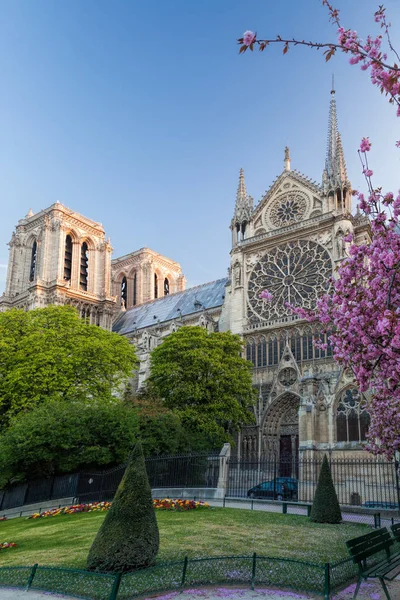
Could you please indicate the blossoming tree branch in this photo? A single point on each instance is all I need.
(364, 308)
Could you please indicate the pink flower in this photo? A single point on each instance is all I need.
(368, 172)
(365, 145)
(266, 295)
(248, 37)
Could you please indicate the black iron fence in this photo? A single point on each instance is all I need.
(181, 471)
(369, 482)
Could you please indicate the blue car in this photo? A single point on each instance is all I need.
(280, 488)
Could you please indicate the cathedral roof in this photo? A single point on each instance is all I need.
(173, 306)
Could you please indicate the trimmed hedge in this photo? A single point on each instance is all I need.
(128, 538)
(325, 508)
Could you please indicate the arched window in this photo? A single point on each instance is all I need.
(262, 353)
(124, 292)
(134, 290)
(251, 351)
(307, 344)
(352, 418)
(155, 285)
(32, 270)
(68, 258)
(295, 344)
(329, 349)
(166, 287)
(83, 279)
(273, 351)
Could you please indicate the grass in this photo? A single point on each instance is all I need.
(65, 540)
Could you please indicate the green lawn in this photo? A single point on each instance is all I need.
(65, 540)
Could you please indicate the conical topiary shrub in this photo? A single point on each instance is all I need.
(325, 508)
(128, 538)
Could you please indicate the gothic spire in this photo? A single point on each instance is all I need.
(243, 209)
(241, 191)
(335, 174)
(335, 165)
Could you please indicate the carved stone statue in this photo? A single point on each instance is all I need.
(238, 274)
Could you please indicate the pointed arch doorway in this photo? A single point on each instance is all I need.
(281, 434)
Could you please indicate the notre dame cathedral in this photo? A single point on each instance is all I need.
(290, 243)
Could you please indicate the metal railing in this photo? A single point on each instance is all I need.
(253, 570)
(370, 482)
(178, 471)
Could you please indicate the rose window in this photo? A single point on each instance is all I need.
(287, 376)
(288, 209)
(296, 273)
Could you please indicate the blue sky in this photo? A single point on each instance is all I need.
(139, 114)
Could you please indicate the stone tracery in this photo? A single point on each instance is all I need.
(297, 273)
(288, 208)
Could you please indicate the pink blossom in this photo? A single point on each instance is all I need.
(365, 145)
(248, 38)
(266, 295)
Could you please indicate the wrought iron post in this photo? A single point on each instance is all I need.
(185, 564)
(396, 470)
(31, 576)
(253, 572)
(115, 587)
(327, 583)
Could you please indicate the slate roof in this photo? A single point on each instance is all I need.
(208, 295)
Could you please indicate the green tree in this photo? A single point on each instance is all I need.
(325, 508)
(205, 380)
(62, 436)
(161, 430)
(50, 353)
(128, 539)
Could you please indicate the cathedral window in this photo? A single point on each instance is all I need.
(68, 258)
(32, 269)
(134, 289)
(295, 345)
(308, 346)
(166, 287)
(352, 418)
(124, 292)
(83, 277)
(251, 352)
(155, 285)
(262, 353)
(329, 349)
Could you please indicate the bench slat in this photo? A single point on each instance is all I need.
(396, 531)
(368, 537)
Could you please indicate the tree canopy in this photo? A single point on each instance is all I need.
(62, 436)
(204, 379)
(51, 353)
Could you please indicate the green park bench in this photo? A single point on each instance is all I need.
(371, 553)
(396, 531)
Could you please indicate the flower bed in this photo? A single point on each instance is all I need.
(4, 545)
(159, 504)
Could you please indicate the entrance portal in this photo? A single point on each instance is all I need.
(281, 434)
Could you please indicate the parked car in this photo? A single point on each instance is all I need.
(280, 488)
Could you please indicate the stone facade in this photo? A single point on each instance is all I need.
(58, 256)
(290, 243)
(145, 275)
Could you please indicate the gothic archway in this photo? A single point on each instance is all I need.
(281, 433)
